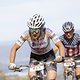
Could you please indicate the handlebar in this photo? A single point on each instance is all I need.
(19, 68)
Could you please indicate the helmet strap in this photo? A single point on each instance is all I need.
(42, 32)
(73, 30)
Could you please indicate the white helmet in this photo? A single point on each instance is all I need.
(36, 21)
(68, 26)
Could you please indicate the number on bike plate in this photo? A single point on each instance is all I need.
(37, 68)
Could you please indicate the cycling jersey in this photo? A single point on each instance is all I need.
(43, 45)
(72, 46)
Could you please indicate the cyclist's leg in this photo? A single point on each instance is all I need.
(31, 74)
(66, 68)
(51, 71)
(51, 68)
(50, 76)
(77, 73)
(65, 72)
(77, 70)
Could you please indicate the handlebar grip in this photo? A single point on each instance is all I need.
(62, 59)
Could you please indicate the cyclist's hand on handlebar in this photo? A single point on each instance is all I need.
(12, 66)
(68, 60)
(59, 59)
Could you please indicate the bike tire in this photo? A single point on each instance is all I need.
(70, 77)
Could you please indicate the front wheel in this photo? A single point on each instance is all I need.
(37, 78)
(69, 77)
(33, 78)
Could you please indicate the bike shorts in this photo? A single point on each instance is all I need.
(45, 57)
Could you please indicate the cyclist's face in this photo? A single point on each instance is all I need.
(35, 33)
(69, 34)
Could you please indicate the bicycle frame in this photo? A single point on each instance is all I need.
(69, 73)
(39, 67)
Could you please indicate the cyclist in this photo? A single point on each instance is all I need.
(71, 42)
(38, 38)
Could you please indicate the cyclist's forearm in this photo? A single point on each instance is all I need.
(12, 56)
(13, 53)
(61, 48)
(55, 49)
(62, 51)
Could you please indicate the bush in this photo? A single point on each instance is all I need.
(3, 77)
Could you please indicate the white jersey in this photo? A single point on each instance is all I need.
(42, 46)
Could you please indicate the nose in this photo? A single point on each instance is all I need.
(34, 32)
(68, 33)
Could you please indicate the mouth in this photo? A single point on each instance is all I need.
(69, 36)
(34, 35)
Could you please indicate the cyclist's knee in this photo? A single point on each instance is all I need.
(78, 77)
(51, 69)
(77, 73)
(33, 78)
(31, 75)
(52, 79)
(50, 76)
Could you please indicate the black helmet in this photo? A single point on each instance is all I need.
(68, 26)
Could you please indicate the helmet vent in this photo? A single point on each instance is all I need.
(36, 21)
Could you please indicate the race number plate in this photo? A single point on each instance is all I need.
(37, 68)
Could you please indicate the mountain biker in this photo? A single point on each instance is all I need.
(71, 42)
(38, 38)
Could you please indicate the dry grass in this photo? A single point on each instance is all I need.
(3, 77)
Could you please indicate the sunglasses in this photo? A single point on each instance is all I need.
(70, 32)
(34, 30)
